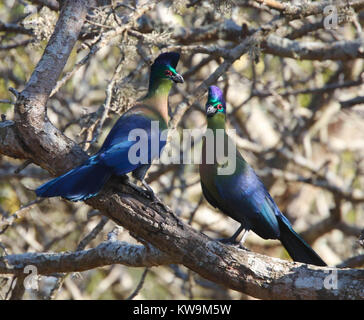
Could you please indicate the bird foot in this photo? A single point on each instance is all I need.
(147, 192)
(141, 191)
(155, 199)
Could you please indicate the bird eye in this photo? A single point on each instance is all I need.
(219, 107)
(168, 73)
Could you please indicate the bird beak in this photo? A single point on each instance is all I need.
(177, 78)
(210, 111)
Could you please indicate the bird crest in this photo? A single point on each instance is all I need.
(215, 101)
(167, 58)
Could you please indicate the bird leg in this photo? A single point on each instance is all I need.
(146, 193)
(153, 196)
(139, 174)
(149, 189)
(245, 235)
(232, 240)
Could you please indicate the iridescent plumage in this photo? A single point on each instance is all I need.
(87, 180)
(241, 194)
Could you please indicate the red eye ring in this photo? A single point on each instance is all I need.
(168, 73)
(219, 107)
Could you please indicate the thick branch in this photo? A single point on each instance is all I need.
(256, 275)
(36, 132)
(106, 253)
(11, 27)
(248, 272)
(297, 10)
(273, 44)
(10, 144)
(339, 50)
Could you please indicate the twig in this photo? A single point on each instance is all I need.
(93, 233)
(7, 222)
(139, 286)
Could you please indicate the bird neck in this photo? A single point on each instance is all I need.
(157, 96)
(216, 122)
(212, 148)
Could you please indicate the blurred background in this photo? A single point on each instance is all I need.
(299, 122)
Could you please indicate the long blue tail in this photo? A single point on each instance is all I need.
(77, 184)
(297, 248)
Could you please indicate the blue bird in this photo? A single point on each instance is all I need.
(240, 194)
(86, 180)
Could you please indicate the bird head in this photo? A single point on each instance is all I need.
(164, 67)
(215, 102)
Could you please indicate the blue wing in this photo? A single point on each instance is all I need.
(87, 180)
(115, 152)
(249, 202)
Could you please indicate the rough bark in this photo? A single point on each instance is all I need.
(32, 136)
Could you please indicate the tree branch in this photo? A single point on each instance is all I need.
(248, 272)
(106, 253)
(174, 241)
(273, 44)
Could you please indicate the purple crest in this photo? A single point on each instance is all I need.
(216, 94)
